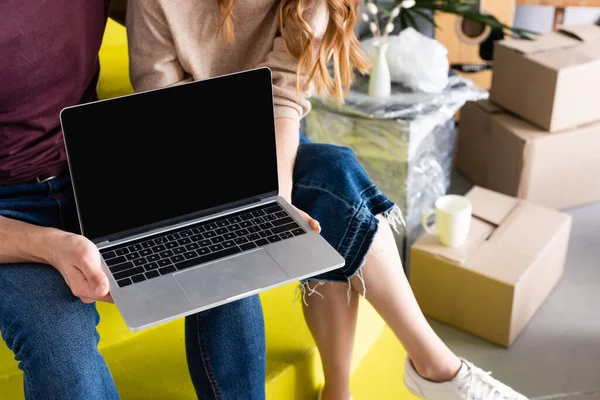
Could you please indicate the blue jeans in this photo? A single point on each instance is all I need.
(53, 334)
(331, 185)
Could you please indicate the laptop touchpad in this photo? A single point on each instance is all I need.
(234, 276)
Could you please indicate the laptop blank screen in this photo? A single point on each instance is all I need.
(141, 159)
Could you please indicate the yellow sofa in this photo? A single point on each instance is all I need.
(151, 364)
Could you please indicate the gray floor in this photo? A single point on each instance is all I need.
(558, 354)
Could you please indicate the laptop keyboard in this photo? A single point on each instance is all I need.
(187, 247)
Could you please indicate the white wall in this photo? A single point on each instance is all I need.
(540, 19)
(582, 15)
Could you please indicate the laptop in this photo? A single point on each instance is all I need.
(178, 189)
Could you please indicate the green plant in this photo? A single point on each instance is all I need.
(465, 8)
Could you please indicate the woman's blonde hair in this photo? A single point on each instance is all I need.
(339, 43)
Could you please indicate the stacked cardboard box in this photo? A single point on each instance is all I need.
(531, 150)
(539, 137)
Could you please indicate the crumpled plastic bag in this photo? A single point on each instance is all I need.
(415, 60)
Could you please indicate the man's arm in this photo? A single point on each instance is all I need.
(75, 257)
(23, 242)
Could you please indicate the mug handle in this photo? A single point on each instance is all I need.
(426, 216)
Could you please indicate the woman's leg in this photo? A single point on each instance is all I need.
(332, 187)
(331, 318)
(388, 290)
(328, 186)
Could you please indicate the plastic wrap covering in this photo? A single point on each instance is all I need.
(405, 143)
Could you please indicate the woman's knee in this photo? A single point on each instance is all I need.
(325, 161)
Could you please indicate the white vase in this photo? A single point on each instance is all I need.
(380, 84)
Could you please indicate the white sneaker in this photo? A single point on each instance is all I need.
(471, 383)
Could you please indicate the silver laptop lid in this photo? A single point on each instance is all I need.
(159, 157)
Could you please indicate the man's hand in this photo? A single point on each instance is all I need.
(79, 262)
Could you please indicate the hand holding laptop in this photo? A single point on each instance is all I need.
(78, 261)
(313, 223)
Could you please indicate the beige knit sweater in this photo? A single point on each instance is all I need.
(175, 41)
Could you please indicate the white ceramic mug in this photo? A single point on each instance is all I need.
(452, 219)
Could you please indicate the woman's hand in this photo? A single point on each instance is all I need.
(79, 262)
(310, 220)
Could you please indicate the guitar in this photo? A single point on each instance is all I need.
(471, 44)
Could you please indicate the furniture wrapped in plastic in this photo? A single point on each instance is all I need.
(406, 142)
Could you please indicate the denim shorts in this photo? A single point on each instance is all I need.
(332, 187)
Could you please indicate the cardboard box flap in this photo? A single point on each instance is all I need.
(551, 41)
(478, 234)
(489, 107)
(500, 262)
(529, 226)
(490, 206)
(518, 242)
(585, 53)
(585, 32)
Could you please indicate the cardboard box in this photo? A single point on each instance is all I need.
(493, 284)
(552, 81)
(501, 152)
